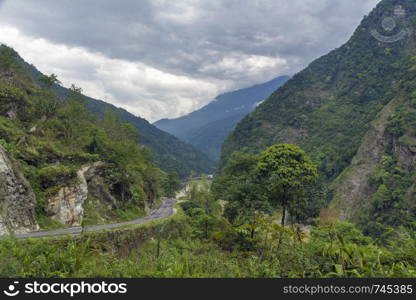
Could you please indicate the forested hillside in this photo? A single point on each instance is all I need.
(170, 153)
(60, 165)
(329, 107)
(378, 188)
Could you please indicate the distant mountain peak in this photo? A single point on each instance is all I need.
(207, 127)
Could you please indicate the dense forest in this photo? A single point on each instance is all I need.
(317, 182)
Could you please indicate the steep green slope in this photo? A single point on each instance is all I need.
(378, 188)
(328, 107)
(207, 128)
(62, 164)
(170, 153)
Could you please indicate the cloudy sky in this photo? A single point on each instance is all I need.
(165, 58)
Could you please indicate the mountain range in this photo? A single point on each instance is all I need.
(170, 153)
(208, 127)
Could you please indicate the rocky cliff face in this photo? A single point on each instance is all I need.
(67, 205)
(17, 200)
(352, 187)
(353, 190)
(405, 153)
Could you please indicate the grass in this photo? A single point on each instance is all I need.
(97, 213)
(47, 223)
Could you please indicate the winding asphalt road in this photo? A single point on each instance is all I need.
(164, 210)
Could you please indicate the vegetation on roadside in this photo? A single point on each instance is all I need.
(330, 250)
(205, 240)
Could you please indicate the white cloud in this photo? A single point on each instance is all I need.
(141, 89)
(164, 58)
(251, 65)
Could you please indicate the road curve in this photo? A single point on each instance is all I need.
(164, 210)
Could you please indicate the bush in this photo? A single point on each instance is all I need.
(53, 175)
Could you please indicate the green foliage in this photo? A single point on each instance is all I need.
(11, 98)
(170, 184)
(284, 172)
(52, 175)
(282, 176)
(390, 205)
(49, 81)
(286, 168)
(327, 108)
(261, 249)
(168, 152)
(204, 210)
(237, 186)
(11, 72)
(53, 138)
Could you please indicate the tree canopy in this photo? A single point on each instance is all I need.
(285, 171)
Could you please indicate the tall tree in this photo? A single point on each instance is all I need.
(236, 185)
(171, 184)
(285, 171)
(49, 81)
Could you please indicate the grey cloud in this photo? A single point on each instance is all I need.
(203, 39)
(155, 31)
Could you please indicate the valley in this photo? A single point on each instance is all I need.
(307, 176)
(207, 128)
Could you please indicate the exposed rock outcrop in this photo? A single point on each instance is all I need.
(17, 200)
(99, 190)
(352, 187)
(406, 154)
(12, 114)
(67, 205)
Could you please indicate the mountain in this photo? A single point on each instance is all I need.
(378, 187)
(170, 153)
(60, 165)
(208, 127)
(339, 109)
